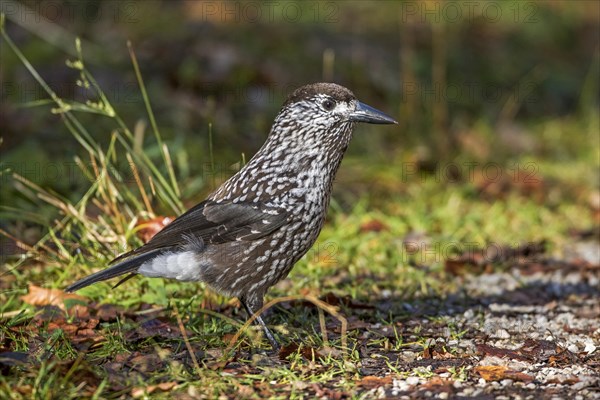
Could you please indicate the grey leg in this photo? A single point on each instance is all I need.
(262, 324)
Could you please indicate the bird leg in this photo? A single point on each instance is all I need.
(262, 324)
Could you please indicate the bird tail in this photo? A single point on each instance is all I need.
(129, 265)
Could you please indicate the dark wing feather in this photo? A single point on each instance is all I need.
(207, 223)
(215, 223)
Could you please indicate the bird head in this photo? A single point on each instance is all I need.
(324, 112)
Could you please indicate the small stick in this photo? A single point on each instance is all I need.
(187, 342)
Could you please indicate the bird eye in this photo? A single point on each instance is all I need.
(328, 104)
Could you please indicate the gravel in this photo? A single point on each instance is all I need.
(539, 326)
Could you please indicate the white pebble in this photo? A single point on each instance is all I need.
(502, 334)
(412, 380)
(573, 348)
(590, 347)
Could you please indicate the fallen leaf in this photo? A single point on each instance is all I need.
(503, 353)
(427, 353)
(78, 331)
(154, 327)
(327, 393)
(288, 349)
(373, 225)
(25, 389)
(371, 382)
(309, 353)
(69, 302)
(570, 380)
(438, 385)
(150, 227)
(441, 354)
(108, 312)
(547, 350)
(499, 372)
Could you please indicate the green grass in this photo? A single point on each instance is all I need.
(363, 265)
(441, 218)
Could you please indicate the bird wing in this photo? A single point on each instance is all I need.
(214, 222)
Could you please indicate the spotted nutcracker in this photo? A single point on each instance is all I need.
(248, 234)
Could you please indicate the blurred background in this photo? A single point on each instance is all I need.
(514, 84)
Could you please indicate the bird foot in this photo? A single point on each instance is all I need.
(264, 327)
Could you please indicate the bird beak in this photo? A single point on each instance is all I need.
(368, 114)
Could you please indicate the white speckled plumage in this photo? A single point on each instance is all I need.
(250, 232)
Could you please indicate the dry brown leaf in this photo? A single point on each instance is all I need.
(149, 228)
(372, 382)
(373, 225)
(108, 312)
(309, 353)
(438, 385)
(503, 353)
(569, 380)
(39, 296)
(499, 372)
(25, 389)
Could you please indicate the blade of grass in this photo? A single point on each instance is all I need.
(83, 136)
(142, 86)
(138, 181)
(211, 156)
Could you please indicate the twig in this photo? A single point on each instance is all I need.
(187, 342)
(323, 327)
(10, 314)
